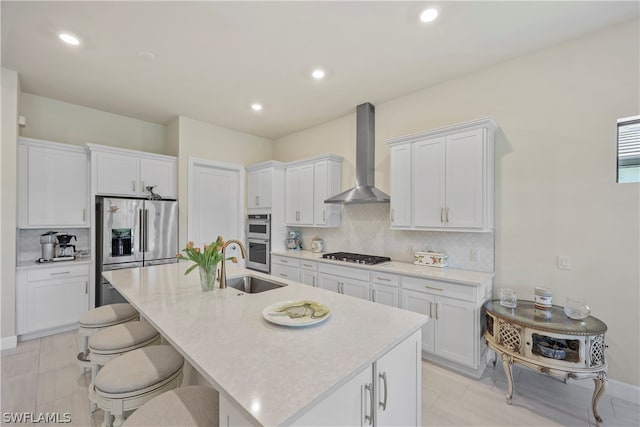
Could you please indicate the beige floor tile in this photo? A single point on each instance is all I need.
(74, 407)
(23, 347)
(19, 363)
(18, 411)
(19, 389)
(58, 351)
(61, 383)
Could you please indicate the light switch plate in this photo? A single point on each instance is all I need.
(564, 262)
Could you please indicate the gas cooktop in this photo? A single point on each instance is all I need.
(356, 258)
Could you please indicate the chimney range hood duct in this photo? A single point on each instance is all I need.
(364, 191)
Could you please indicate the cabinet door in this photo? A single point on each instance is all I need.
(253, 189)
(329, 282)
(292, 195)
(306, 192)
(384, 294)
(117, 174)
(401, 185)
(398, 379)
(320, 192)
(422, 303)
(308, 277)
(290, 273)
(464, 177)
(355, 288)
(350, 405)
(455, 323)
(54, 303)
(428, 189)
(159, 173)
(56, 187)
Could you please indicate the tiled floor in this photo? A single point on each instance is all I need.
(41, 376)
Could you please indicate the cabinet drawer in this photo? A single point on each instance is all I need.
(286, 272)
(283, 260)
(435, 287)
(57, 272)
(385, 278)
(338, 270)
(308, 265)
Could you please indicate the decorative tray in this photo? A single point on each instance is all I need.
(296, 313)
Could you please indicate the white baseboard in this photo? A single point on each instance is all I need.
(9, 342)
(47, 332)
(617, 389)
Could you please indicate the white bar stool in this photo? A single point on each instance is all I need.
(99, 318)
(131, 380)
(190, 406)
(111, 342)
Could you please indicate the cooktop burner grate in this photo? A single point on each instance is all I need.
(356, 258)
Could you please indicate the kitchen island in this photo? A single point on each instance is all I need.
(334, 372)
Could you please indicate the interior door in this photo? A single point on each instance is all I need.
(215, 203)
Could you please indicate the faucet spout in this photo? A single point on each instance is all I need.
(223, 270)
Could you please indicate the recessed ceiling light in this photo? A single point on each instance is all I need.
(69, 39)
(146, 55)
(256, 107)
(318, 74)
(429, 15)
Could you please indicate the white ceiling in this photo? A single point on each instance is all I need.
(213, 59)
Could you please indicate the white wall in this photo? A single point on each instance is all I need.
(555, 171)
(8, 203)
(211, 142)
(59, 121)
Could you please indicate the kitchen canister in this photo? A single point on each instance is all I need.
(317, 245)
(433, 259)
(542, 298)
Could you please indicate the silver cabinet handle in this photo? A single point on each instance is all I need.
(383, 377)
(133, 185)
(284, 260)
(436, 311)
(393, 215)
(373, 295)
(284, 275)
(383, 279)
(84, 215)
(313, 281)
(324, 216)
(431, 309)
(441, 214)
(433, 289)
(257, 203)
(61, 272)
(307, 265)
(86, 286)
(341, 287)
(447, 214)
(369, 418)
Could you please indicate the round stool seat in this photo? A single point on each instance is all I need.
(122, 338)
(108, 315)
(138, 372)
(190, 406)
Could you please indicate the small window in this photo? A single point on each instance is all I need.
(629, 149)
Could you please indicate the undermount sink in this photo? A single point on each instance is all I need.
(252, 285)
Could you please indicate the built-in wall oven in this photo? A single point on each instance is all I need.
(259, 242)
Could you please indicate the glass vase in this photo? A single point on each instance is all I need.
(207, 277)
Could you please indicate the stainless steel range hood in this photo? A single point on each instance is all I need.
(364, 191)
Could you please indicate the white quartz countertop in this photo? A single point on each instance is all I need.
(404, 268)
(21, 265)
(273, 374)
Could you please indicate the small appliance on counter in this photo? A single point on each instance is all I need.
(65, 248)
(48, 242)
(66, 251)
(432, 259)
(294, 241)
(317, 245)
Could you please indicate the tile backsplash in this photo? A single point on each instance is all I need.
(28, 241)
(365, 229)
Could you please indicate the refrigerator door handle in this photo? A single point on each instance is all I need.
(146, 230)
(141, 231)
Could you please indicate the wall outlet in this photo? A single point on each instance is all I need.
(474, 255)
(564, 262)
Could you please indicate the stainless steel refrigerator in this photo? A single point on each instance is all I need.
(132, 233)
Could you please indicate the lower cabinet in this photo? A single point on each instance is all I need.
(50, 298)
(309, 272)
(453, 332)
(385, 288)
(344, 285)
(386, 393)
(286, 272)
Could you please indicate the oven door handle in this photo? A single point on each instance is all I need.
(258, 240)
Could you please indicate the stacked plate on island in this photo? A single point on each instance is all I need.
(296, 313)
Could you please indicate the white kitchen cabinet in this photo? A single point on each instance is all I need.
(122, 172)
(401, 185)
(286, 272)
(451, 178)
(385, 288)
(344, 280)
(265, 186)
(386, 393)
(308, 183)
(309, 272)
(52, 185)
(49, 298)
(453, 334)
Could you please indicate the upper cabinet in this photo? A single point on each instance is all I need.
(264, 186)
(52, 185)
(443, 179)
(308, 183)
(121, 172)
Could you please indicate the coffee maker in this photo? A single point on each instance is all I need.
(65, 249)
(48, 242)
